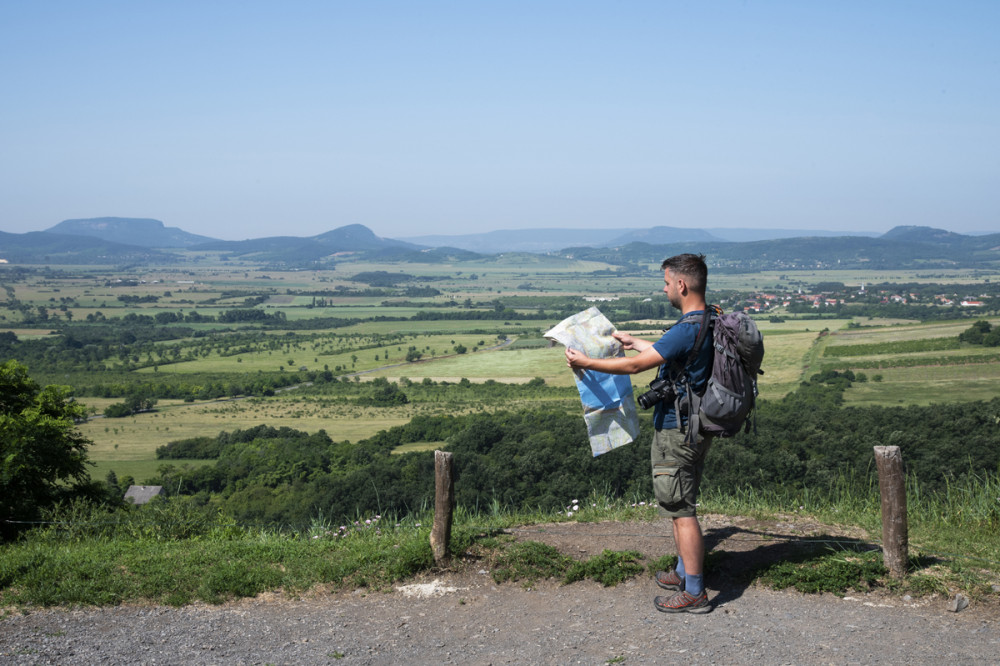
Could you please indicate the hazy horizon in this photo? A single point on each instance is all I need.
(246, 120)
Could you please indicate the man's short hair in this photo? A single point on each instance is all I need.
(690, 266)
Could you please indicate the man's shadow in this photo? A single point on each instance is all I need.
(732, 570)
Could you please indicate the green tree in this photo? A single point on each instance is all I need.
(133, 404)
(43, 457)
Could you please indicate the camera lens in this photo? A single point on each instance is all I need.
(648, 399)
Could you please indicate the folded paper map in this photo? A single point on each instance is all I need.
(608, 405)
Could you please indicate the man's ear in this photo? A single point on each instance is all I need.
(682, 286)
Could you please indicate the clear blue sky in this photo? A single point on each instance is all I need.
(248, 119)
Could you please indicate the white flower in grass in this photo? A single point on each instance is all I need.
(569, 513)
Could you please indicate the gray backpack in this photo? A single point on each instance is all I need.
(727, 403)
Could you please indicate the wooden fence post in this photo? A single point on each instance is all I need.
(444, 501)
(892, 486)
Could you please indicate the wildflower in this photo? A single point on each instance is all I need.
(569, 513)
(368, 522)
(642, 504)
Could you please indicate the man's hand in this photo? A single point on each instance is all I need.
(630, 342)
(576, 359)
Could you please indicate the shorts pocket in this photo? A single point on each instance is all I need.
(667, 485)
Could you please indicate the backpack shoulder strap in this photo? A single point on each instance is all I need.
(692, 398)
(707, 319)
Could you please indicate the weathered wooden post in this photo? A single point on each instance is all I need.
(444, 501)
(892, 486)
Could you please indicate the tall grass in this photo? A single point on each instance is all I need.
(173, 553)
(954, 533)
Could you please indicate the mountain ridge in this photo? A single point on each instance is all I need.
(905, 246)
(554, 239)
(139, 231)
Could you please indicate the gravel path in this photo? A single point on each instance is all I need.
(465, 618)
(477, 622)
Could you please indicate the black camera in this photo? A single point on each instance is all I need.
(659, 389)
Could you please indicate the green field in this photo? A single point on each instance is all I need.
(902, 353)
(794, 349)
(317, 355)
(770, 279)
(926, 385)
(137, 437)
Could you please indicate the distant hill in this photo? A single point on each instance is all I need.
(130, 231)
(521, 240)
(929, 235)
(664, 235)
(305, 252)
(42, 247)
(902, 247)
(745, 235)
(551, 240)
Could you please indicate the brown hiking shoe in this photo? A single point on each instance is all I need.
(669, 580)
(682, 602)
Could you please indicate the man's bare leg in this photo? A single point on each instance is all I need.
(690, 544)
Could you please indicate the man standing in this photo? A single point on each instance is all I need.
(677, 466)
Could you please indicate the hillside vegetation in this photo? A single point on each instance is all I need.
(290, 403)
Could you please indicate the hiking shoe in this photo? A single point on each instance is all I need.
(669, 580)
(682, 602)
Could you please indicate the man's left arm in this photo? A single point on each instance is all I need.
(621, 365)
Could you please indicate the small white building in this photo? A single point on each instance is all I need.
(142, 494)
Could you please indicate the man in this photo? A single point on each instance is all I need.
(677, 467)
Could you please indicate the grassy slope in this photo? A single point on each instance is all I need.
(163, 554)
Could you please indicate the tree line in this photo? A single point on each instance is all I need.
(541, 458)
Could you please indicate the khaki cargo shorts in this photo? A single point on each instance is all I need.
(677, 469)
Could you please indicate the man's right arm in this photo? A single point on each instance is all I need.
(621, 365)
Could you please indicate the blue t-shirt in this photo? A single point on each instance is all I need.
(674, 346)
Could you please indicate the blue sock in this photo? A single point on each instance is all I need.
(679, 568)
(694, 584)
